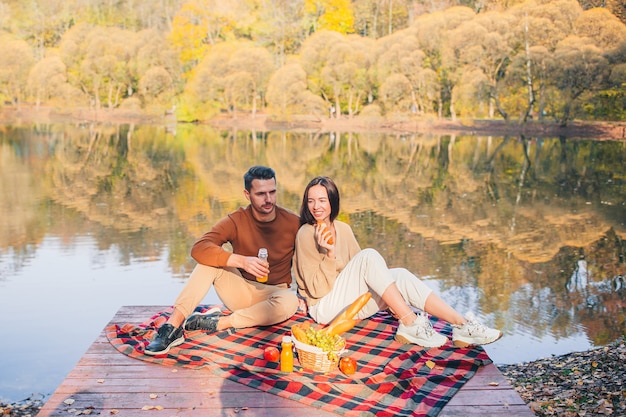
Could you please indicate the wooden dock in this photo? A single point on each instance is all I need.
(107, 383)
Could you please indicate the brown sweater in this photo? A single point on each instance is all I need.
(246, 235)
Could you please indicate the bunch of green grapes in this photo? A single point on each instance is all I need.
(326, 342)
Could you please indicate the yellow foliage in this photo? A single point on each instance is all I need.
(198, 25)
(336, 15)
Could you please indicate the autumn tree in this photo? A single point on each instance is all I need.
(157, 70)
(610, 102)
(250, 68)
(343, 78)
(42, 23)
(287, 94)
(155, 86)
(600, 25)
(406, 82)
(314, 55)
(483, 43)
(335, 15)
(99, 61)
(536, 29)
(377, 18)
(434, 34)
(281, 27)
(47, 79)
(530, 75)
(231, 77)
(204, 93)
(16, 60)
(199, 24)
(579, 68)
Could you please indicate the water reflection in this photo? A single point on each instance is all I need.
(528, 232)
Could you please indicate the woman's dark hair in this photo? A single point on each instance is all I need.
(333, 198)
(257, 173)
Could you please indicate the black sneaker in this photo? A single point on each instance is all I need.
(206, 321)
(167, 337)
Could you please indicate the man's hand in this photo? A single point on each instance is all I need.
(250, 264)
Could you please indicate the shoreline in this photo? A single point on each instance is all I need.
(261, 122)
(575, 384)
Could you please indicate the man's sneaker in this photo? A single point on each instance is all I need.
(166, 337)
(206, 321)
(420, 333)
(473, 333)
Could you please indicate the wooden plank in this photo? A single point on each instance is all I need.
(106, 382)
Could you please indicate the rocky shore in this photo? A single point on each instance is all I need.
(589, 383)
(26, 408)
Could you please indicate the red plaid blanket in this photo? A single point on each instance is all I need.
(392, 379)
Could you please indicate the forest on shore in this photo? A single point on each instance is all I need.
(383, 61)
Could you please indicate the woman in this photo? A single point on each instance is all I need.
(332, 271)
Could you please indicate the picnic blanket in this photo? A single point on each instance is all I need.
(392, 379)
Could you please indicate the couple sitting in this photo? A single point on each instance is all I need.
(330, 269)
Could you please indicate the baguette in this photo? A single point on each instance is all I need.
(299, 333)
(342, 327)
(348, 314)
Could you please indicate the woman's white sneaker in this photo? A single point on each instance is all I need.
(473, 333)
(420, 333)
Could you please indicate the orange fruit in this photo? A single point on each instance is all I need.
(330, 239)
(347, 365)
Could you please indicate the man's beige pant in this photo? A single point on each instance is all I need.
(251, 303)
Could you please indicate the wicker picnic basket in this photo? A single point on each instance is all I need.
(314, 358)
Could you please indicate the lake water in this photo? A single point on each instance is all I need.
(528, 233)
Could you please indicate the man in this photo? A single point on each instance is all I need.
(261, 224)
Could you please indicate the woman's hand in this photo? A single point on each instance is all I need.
(324, 238)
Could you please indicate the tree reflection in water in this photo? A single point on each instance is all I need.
(528, 231)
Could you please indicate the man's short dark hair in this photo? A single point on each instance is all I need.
(257, 172)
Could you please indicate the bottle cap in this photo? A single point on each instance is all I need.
(262, 252)
(286, 339)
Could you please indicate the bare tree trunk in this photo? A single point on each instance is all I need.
(439, 105)
(529, 79)
(390, 23)
(110, 96)
(254, 96)
(350, 113)
(375, 22)
(502, 112)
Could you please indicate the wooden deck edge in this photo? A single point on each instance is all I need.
(106, 382)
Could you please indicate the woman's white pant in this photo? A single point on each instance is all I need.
(368, 271)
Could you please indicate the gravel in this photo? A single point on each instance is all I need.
(589, 383)
(25, 408)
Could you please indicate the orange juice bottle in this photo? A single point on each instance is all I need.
(286, 355)
(263, 256)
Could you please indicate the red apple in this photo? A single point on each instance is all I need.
(271, 354)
